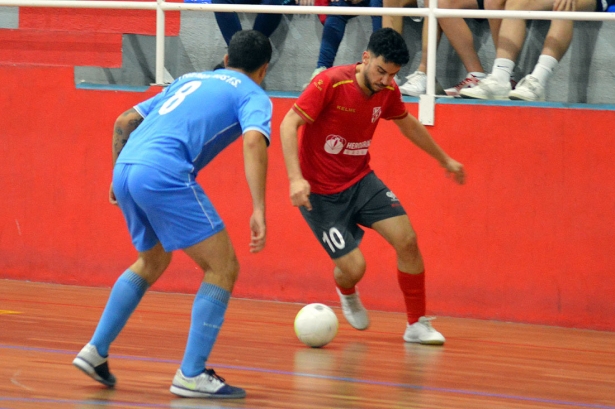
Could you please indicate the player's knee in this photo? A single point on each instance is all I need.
(408, 244)
(152, 266)
(233, 270)
(350, 272)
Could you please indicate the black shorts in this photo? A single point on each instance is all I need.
(335, 219)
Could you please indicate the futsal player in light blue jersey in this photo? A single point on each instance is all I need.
(158, 148)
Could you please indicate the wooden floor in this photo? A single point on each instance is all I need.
(482, 365)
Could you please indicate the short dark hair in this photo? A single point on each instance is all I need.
(389, 44)
(249, 50)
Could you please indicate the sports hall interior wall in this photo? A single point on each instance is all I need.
(586, 73)
(528, 239)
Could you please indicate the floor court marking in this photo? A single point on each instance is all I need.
(173, 405)
(327, 377)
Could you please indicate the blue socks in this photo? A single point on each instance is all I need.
(124, 298)
(207, 317)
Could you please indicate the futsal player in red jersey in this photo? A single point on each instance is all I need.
(336, 190)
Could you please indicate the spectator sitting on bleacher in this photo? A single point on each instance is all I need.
(511, 38)
(229, 23)
(461, 39)
(459, 35)
(333, 32)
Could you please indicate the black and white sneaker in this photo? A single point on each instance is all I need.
(206, 385)
(94, 365)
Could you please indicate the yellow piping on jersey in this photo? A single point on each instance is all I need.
(342, 83)
(399, 116)
(304, 113)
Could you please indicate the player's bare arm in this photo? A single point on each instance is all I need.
(299, 187)
(255, 164)
(124, 125)
(412, 129)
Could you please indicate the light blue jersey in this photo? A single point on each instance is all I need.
(195, 118)
(185, 127)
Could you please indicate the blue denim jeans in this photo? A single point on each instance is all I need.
(335, 26)
(229, 22)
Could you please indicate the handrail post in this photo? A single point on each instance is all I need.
(427, 102)
(160, 34)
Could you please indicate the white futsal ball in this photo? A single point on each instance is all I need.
(316, 325)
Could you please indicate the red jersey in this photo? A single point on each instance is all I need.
(341, 121)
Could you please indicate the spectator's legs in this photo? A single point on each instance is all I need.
(459, 34)
(227, 22)
(267, 23)
(495, 23)
(557, 42)
(332, 35)
(396, 22)
(511, 38)
(376, 20)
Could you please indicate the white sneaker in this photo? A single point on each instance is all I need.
(423, 333)
(94, 365)
(528, 89)
(314, 73)
(205, 385)
(354, 312)
(468, 82)
(416, 84)
(489, 88)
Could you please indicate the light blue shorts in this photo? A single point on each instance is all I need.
(162, 207)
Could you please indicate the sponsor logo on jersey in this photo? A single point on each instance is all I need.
(341, 108)
(357, 148)
(234, 81)
(376, 114)
(334, 144)
(392, 196)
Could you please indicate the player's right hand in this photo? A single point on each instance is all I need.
(258, 231)
(112, 198)
(300, 193)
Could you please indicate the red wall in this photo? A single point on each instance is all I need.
(528, 239)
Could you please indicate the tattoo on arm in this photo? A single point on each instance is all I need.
(124, 128)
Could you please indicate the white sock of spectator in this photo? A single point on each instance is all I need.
(479, 75)
(502, 70)
(544, 68)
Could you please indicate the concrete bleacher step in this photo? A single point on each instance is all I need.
(97, 20)
(49, 47)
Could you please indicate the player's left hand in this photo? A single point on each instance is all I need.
(456, 169)
(258, 231)
(112, 198)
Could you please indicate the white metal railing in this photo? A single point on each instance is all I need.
(426, 102)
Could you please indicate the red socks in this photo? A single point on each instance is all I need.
(413, 288)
